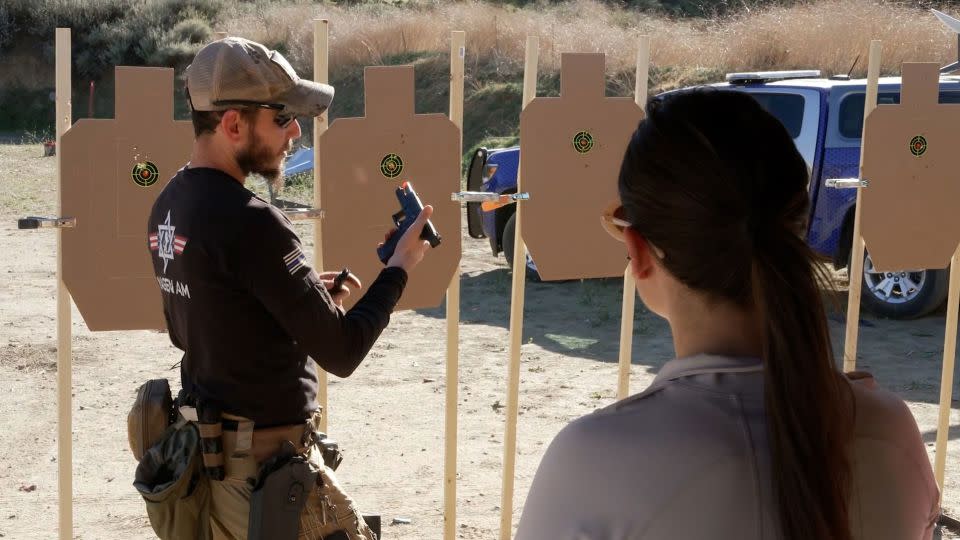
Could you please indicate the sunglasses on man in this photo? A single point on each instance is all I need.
(282, 119)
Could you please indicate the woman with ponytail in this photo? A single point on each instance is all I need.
(751, 431)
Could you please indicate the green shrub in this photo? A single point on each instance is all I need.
(8, 27)
(492, 111)
(106, 33)
(23, 109)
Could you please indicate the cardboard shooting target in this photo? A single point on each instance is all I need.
(571, 148)
(111, 172)
(362, 163)
(908, 216)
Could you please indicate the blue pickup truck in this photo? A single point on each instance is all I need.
(825, 118)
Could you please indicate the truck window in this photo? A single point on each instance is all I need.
(788, 108)
(851, 110)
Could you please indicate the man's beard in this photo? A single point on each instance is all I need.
(258, 158)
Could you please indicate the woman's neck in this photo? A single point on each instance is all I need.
(720, 328)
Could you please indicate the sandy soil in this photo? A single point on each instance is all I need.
(388, 416)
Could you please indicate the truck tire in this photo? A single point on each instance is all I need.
(475, 183)
(500, 218)
(509, 236)
(902, 295)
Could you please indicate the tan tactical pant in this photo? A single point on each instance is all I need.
(328, 509)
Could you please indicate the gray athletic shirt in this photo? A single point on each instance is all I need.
(688, 459)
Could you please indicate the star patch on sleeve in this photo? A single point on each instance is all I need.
(295, 260)
(166, 242)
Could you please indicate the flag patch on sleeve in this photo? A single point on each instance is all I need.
(295, 260)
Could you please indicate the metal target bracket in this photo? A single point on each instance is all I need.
(296, 211)
(490, 201)
(846, 183)
(303, 214)
(36, 222)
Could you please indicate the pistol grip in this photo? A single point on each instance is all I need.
(386, 250)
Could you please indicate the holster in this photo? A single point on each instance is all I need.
(282, 489)
(329, 450)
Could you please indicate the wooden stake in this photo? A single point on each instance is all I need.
(457, 53)
(626, 333)
(643, 71)
(856, 254)
(629, 282)
(321, 51)
(516, 319)
(946, 377)
(64, 316)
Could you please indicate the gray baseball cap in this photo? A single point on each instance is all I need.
(233, 71)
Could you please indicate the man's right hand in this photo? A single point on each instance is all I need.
(410, 249)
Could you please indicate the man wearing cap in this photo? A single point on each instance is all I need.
(253, 319)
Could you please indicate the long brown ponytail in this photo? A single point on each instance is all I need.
(716, 183)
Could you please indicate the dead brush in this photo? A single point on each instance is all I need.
(826, 35)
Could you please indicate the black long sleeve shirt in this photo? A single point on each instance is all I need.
(245, 307)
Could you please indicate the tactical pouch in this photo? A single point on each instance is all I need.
(171, 481)
(150, 416)
(211, 440)
(282, 489)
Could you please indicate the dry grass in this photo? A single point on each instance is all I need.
(827, 35)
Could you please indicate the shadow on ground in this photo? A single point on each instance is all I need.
(582, 319)
(574, 318)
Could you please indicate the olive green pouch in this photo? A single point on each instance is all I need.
(151, 415)
(171, 481)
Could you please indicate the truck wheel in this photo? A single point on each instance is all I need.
(902, 295)
(509, 234)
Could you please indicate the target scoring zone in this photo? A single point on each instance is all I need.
(918, 145)
(145, 174)
(583, 142)
(391, 166)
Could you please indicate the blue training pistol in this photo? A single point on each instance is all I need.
(410, 208)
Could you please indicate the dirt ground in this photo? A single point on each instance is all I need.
(388, 416)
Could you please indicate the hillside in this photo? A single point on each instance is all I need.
(831, 35)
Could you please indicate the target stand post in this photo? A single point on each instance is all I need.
(516, 317)
(629, 281)
(321, 74)
(451, 406)
(64, 316)
(855, 270)
(64, 120)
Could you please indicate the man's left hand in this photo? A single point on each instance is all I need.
(340, 294)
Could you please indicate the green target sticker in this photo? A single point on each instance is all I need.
(918, 145)
(145, 174)
(583, 142)
(391, 166)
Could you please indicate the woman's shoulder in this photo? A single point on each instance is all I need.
(878, 411)
(895, 491)
(884, 426)
(661, 419)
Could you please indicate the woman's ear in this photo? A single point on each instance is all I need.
(641, 256)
